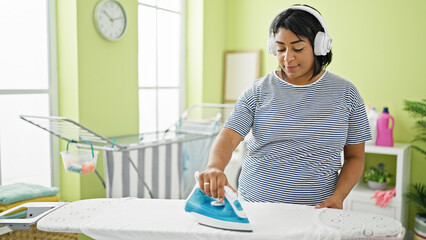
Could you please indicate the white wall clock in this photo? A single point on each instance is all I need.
(110, 19)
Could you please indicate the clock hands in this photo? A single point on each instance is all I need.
(110, 18)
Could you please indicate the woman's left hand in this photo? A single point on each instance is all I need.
(333, 201)
(349, 175)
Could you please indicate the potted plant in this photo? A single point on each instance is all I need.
(377, 178)
(417, 194)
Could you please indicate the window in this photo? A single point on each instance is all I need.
(160, 63)
(27, 87)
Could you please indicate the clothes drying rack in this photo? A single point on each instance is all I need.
(198, 122)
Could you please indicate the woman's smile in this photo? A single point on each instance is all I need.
(291, 68)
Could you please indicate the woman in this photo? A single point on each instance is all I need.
(302, 117)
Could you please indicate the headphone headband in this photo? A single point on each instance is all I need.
(324, 40)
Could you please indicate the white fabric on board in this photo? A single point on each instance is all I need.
(131, 218)
(166, 219)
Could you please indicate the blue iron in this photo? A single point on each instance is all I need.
(228, 215)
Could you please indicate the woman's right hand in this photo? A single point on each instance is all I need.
(212, 182)
(213, 179)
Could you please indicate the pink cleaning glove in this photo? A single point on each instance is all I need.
(383, 197)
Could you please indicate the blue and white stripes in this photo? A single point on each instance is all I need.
(299, 132)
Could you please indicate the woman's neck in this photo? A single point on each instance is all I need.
(300, 81)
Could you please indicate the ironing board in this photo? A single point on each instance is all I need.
(134, 218)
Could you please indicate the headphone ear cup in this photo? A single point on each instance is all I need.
(272, 47)
(322, 44)
(319, 44)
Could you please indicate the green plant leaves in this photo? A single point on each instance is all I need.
(417, 196)
(417, 110)
(377, 174)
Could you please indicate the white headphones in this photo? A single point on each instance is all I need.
(322, 42)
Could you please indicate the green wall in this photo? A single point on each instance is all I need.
(194, 51)
(214, 40)
(378, 45)
(97, 81)
(205, 44)
(67, 84)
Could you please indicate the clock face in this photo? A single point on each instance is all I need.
(110, 19)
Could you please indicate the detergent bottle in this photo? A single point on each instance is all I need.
(384, 132)
(372, 116)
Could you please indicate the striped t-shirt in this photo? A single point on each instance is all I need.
(298, 135)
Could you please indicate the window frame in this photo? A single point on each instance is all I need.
(182, 66)
(52, 91)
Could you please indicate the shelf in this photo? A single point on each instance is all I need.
(363, 188)
(398, 148)
(359, 199)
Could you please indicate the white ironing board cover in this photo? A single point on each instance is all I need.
(73, 214)
(359, 225)
(166, 219)
(132, 218)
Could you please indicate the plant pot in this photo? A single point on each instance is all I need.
(420, 226)
(377, 185)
